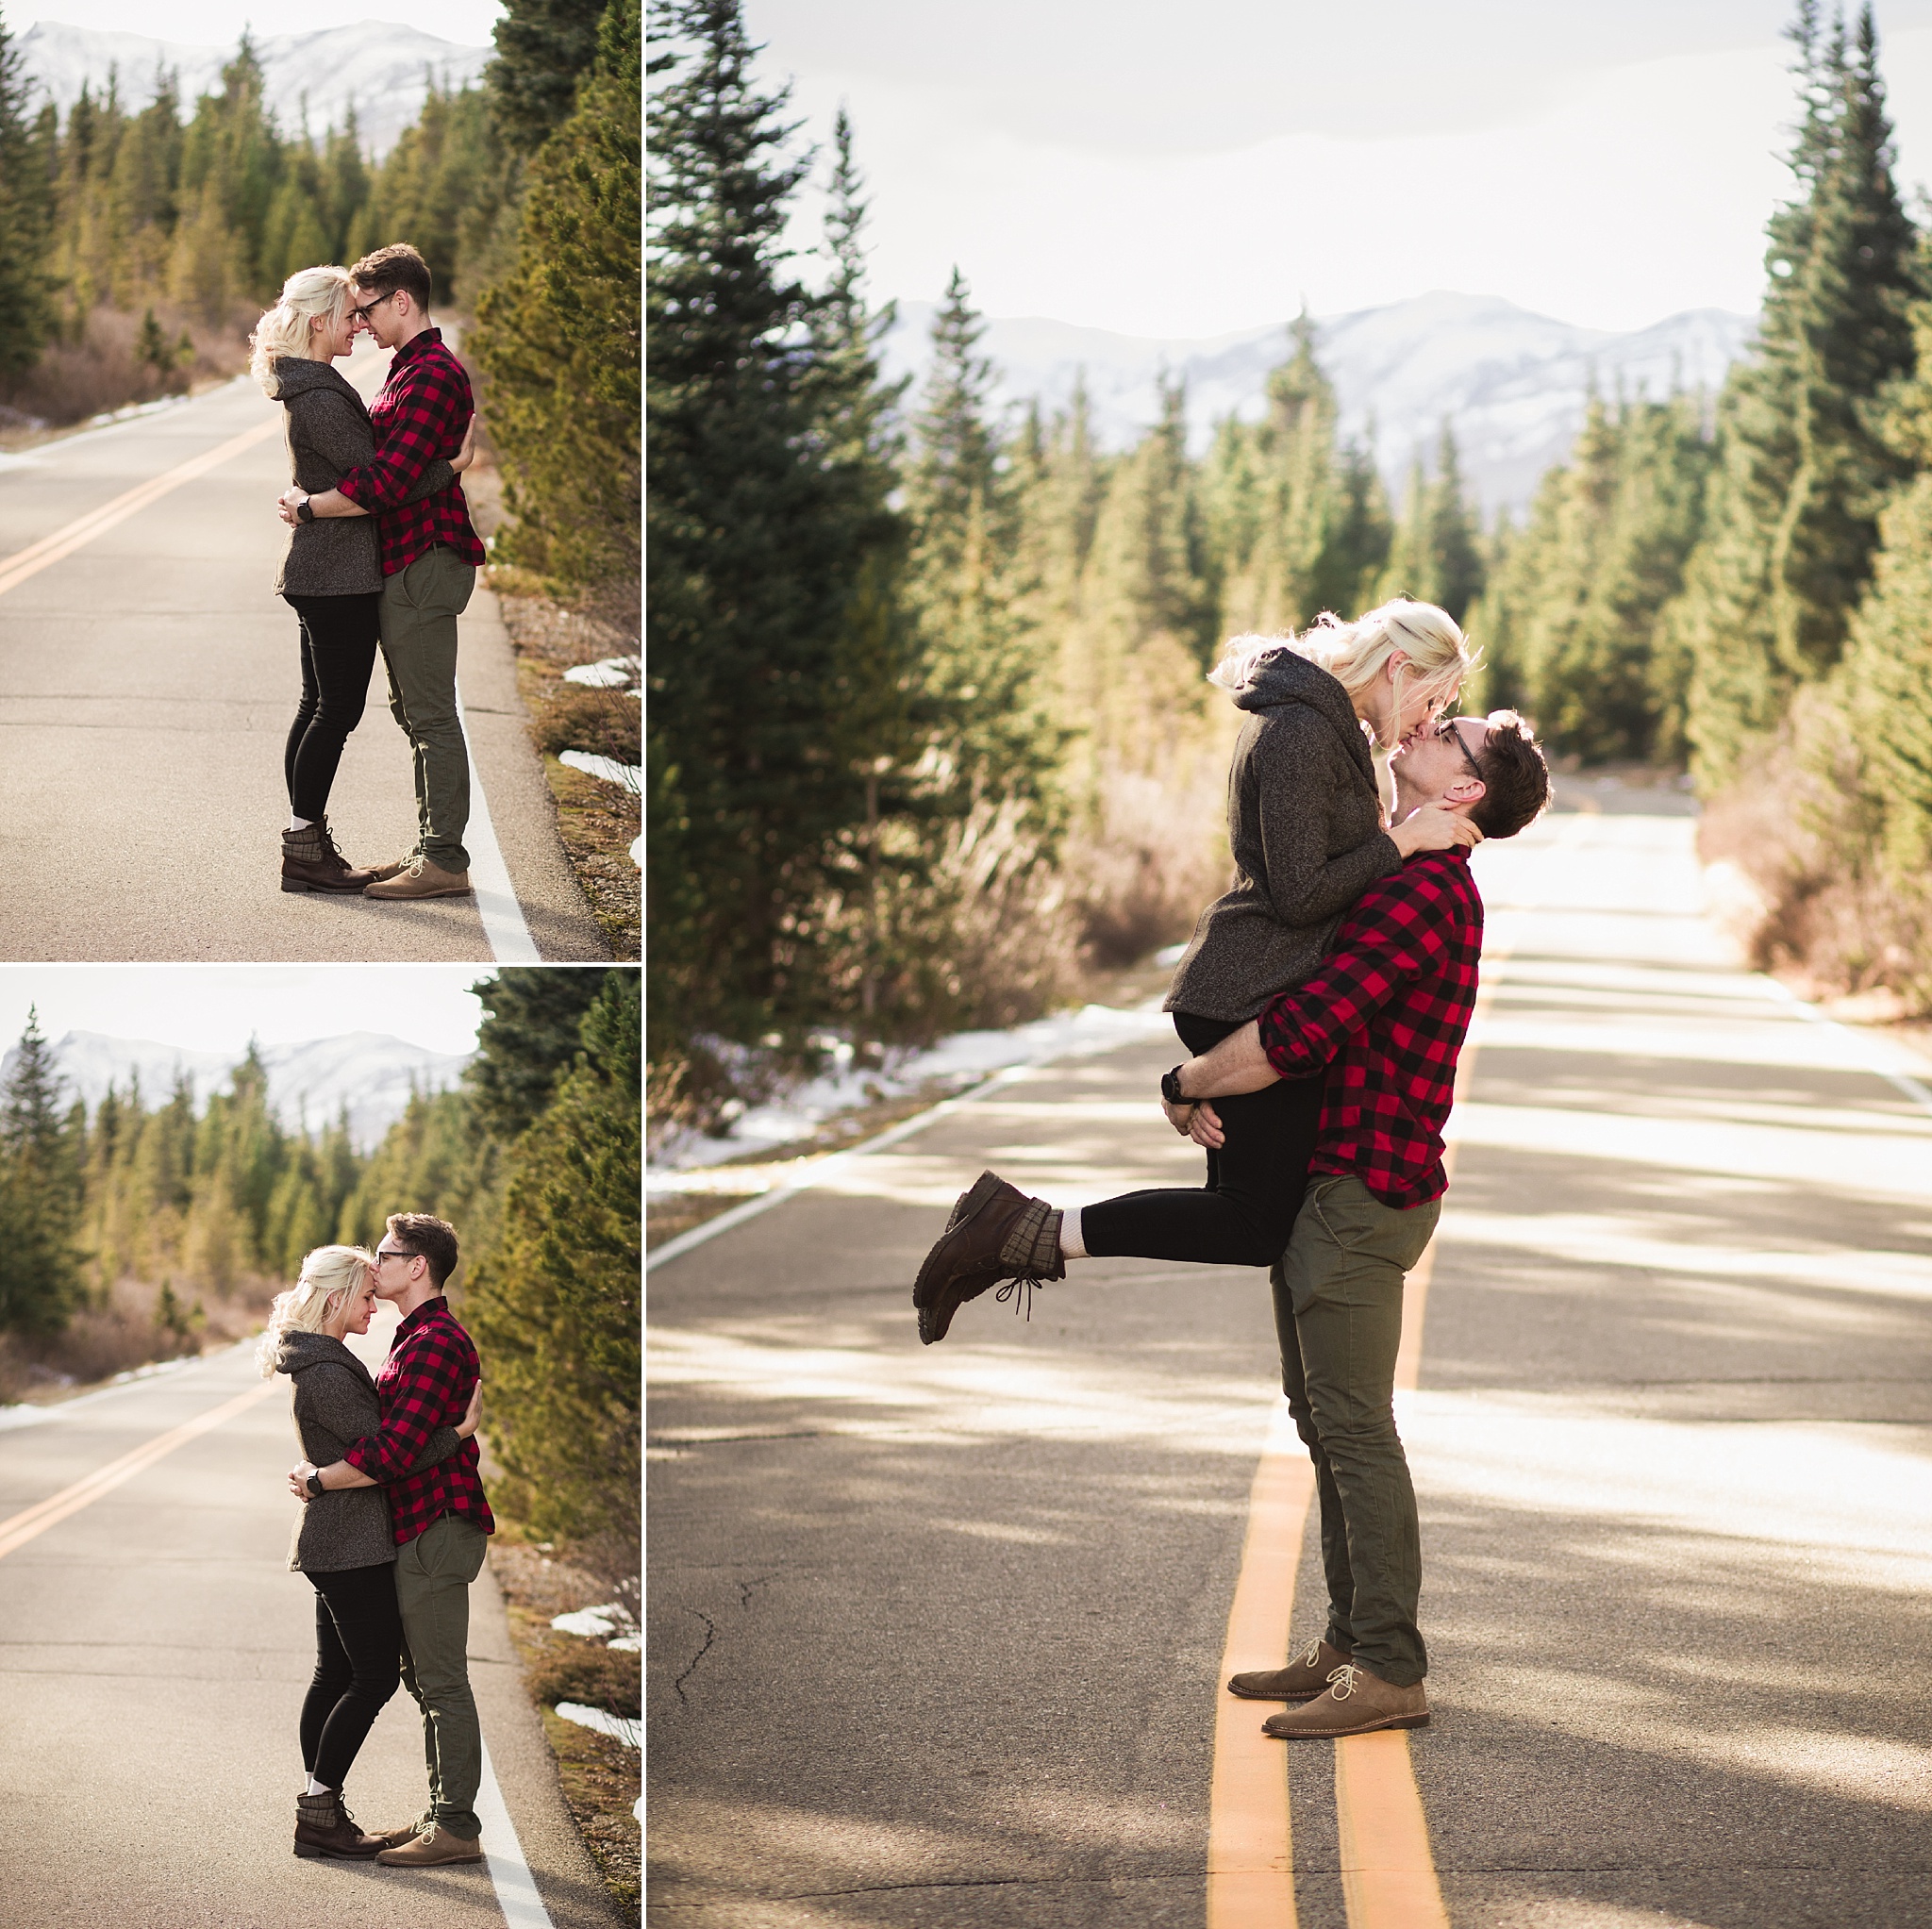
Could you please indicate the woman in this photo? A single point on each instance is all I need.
(331, 573)
(1305, 826)
(343, 1540)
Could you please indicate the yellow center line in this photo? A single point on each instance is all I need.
(18, 1529)
(1388, 1871)
(17, 568)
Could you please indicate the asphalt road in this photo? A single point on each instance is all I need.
(146, 683)
(935, 1633)
(153, 1653)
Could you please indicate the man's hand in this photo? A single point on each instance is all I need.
(1205, 1128)
(298, 1478)
(286, 504)
(1179, 1117)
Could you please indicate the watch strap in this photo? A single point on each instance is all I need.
(1171, 1088)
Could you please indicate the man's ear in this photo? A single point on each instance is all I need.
(1464, 793)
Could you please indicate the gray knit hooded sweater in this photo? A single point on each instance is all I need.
(1304, 825)
(334, 1406)
(329, 434)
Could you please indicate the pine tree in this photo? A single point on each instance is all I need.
(1802, 471)
(532, 1033)
(26, 191)
(543, 49)
(762, 538)
(40, 1198)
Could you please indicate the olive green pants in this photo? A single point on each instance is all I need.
(420, 607)
(1338, 1310)
(433, 1576)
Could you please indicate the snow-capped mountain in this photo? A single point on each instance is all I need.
(379, 69)
(1511, 383)
(309, 1084)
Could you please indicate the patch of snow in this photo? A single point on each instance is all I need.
(596, 1621)
(964, 1059)
(613, 673)
(1169, 956)
(603, 1722)
(629, 774)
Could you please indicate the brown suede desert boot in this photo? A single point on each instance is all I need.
(1301, 1680)
(420, 878)
(396, 1837)
(431, 1850)
(1356, 1703)
(997, 1233)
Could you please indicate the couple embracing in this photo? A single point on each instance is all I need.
(392, 1531)
(1322, 1002)
(381, 555)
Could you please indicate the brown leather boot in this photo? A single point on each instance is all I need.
(431, 1850)
(1356, 1703)
(997, 1233)
(1301, 1680)
(396, 1837)
(324, 1827)
(311, 862)
(421, 878)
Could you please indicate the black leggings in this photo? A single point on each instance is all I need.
(338, 638)
(1245, 1212)
(359, 1654)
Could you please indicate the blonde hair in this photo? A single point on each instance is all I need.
(1438, 654)
(328, 1275)
(284, 329)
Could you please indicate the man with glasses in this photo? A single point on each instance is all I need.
(430, 557)
(442, 1523)
(1382, 1020)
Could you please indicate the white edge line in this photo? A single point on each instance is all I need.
(509, 1873)
(1864, 1048)
(504, 929)
(673, 1249)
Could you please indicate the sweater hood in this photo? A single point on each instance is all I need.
(295, 375)
(301, 1350)
(1284, 676)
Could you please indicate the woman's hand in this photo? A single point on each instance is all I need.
(467, 454)
(474, 1414)
(1205, 1127)
(1432, 828)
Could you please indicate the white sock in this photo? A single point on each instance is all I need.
(299, 822)
(316, 1788)
(1071, 1247)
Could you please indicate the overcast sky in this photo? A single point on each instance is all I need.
(219, 23)
(1193, 169)
(218, 1007)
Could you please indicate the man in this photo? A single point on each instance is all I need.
(430, 555)
(442, 1523)
(1382, 1020)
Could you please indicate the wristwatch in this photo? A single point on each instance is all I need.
(1171, 1088)
(314, 1484)
(305, 511)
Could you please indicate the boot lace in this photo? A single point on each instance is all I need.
(1014, 1288)
(1344, 1681)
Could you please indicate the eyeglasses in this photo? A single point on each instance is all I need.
(383, 1253)
(1446, 728)
(361, 314)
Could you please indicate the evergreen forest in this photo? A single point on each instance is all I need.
(141, 235)
(151, 1225)
(929, 737)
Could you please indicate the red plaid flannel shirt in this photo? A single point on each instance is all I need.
(424, 1383)
(420, 414)
(1385, 1016)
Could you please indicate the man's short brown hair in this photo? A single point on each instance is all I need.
(397, 266)
(434, 1238)
(1516, 780)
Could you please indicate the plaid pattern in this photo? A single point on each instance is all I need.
(420, 414)
(424, 1383)
(1385, 1016)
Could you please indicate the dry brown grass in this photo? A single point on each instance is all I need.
(597, 821)
(101, 371)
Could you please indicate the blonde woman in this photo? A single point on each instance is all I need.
(331, 572)
(342, 1540)
(1305, 824)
